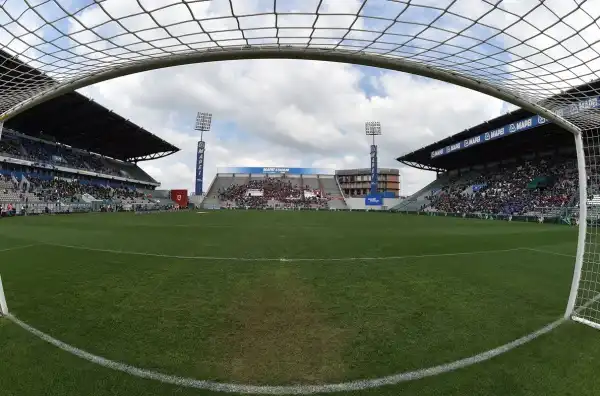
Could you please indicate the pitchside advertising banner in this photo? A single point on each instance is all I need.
(374, 200)
(180, 197)
(519, 126)
(199, 167)
(276, 170)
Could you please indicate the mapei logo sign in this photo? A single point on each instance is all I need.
(494, 134)
(437, 152)
(472, 141)
(520, 125)
(373, 200)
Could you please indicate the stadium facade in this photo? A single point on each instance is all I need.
(357, 182)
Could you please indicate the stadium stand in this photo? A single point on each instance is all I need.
(274, 191)
(52, 159)
(516, 164)
(514, 189)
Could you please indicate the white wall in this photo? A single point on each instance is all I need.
(391, 202)
(196, 200)
(355, 203)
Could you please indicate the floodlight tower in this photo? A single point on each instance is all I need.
(203, 122)
(373, 128)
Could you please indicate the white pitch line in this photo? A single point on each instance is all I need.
(550, 252)
(287, 389)
(17, 248)
(281, 258)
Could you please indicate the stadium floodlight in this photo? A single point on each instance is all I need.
(373, 128)
(541, 55)
(203, 123)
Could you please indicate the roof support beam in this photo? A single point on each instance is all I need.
(421, 166)
(151, 156)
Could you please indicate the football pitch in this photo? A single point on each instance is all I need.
(249, 299)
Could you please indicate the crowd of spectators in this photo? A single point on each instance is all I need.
(278, 193)
(71, 191)
(57, 155)
(518, 189)
(10, 147)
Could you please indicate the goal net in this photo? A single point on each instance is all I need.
(586, 282)
(541, 55)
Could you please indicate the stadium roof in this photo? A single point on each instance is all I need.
(547, 137)
(541, 138)
(77, 121)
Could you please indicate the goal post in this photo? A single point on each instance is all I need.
(584, 300)
(581, 239)
(3, 305)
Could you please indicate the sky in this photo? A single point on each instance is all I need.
(290, 113)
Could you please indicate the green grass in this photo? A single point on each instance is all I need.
(288, 322)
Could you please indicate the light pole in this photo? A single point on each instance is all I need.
(203, 122)
(373, 128)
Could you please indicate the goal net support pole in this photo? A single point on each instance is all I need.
(582, 174)
(3, 305)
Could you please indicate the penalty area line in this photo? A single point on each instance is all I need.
(281, 259)
(298, 389)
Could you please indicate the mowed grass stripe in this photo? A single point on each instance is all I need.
(279, 331)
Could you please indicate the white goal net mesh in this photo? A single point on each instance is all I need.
(545, 52)
(587, 304)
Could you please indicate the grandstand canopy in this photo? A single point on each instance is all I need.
(523, 133)
(77, 121)
(535, 140)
